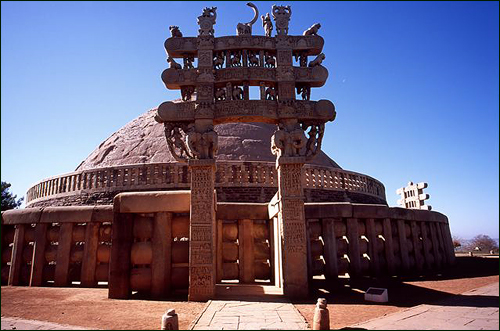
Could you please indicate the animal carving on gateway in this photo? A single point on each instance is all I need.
(313, 30)
(245, 29)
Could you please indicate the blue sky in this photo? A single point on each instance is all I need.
(415, 86)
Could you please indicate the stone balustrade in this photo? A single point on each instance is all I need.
(158, 176)
(56, 245)
(61, 245)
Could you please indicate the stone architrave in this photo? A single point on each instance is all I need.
(202, 246)
(291, 219)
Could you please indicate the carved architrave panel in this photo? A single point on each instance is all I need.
(205, 58)
(284, 57)
(286, 91)
(205, 92)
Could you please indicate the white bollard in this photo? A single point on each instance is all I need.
(170, 320)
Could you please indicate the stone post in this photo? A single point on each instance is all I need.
(170, 320)
(202, 246)
(321, 320)
(293, 228)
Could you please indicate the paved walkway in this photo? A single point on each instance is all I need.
(473, 310)
(243, 315)
(14, 323)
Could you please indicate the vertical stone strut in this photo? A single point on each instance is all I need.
(202, 265)
(292, 224)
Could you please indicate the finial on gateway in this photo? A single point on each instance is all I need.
(245, 29)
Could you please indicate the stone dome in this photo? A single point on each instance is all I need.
(142, 141)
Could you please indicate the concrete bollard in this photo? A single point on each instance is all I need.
(170, 320)
(321, 319)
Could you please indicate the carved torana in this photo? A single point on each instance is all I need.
(217, 91)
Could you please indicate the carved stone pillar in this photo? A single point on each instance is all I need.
(292, 226)
(202, 266)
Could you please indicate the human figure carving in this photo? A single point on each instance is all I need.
(188, 62)
(175, 32)
(237, 93)
(173, 64)
(245, 29)
(270, 61)
(281, 15)
(187, 92)
(304, 91)
(219, 60)
(317, 61)
(253, 60)
(175, 141)
(302, 58)
(313, 30)
(267, 24)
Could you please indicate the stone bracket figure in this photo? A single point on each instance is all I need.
(220, 94)
(313, 145)
(245, 29)
(267, 24)
(203, 144)
(288, 140)
(207, 21)
(175, 142)
(317, 61)
(281, 15)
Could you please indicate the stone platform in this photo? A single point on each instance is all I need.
(472, 310)
(243, 315)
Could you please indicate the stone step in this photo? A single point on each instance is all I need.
(247, 290)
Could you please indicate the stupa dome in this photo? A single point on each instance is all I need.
(143, 141)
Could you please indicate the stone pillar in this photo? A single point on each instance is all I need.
(292, 225)
(202, 267)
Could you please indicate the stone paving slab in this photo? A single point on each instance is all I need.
(15, 323)
(465, 312)
(243, 315)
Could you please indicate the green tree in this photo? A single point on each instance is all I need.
(8, 199)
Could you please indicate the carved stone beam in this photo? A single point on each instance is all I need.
(179, 47)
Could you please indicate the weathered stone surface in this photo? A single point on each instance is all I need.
(152, 202)
(143, 141)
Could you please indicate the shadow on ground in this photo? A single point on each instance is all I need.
(402, 294)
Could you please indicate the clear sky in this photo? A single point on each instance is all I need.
(415, 86)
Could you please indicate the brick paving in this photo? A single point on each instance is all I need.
(14, 323)
(473, 310)
(243, 315)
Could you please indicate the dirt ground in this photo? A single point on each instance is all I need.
(92, 309)
(346, 303)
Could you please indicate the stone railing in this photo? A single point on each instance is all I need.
(366, 239)
(156, 176)
(56, 245)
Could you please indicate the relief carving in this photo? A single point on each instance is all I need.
(245, 29)
(267, 24)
